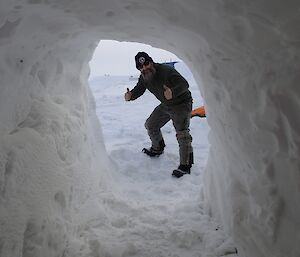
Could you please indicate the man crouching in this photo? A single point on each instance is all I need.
(171, 89)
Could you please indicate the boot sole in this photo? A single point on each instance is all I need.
(151, 154)
(179, 173)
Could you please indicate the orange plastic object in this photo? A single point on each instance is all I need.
(200, 112)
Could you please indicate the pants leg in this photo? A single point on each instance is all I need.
(158, 118)
(180, 115)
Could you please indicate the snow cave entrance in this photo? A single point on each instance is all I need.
(112, 72)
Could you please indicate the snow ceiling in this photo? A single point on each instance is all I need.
(245, 54)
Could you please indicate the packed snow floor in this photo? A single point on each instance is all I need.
(156, 214)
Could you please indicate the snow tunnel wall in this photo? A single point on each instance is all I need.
(50, 156)
(246, 56)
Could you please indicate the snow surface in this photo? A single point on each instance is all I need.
(158, 215)
(56, 178)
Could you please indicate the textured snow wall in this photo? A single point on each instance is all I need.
(245, 56)
(52, 164)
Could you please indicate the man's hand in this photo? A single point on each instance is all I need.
(168, 93)
(127, 95)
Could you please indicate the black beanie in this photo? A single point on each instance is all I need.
(142, 58)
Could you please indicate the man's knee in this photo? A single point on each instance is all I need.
(147, 124)
(151, 125)
(183, 136)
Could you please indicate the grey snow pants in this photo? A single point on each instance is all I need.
(180, 115)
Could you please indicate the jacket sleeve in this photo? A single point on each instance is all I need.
(138, 90)
(178, 84)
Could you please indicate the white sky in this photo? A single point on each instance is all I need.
(117, 58)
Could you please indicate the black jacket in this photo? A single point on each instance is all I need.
(165, 75)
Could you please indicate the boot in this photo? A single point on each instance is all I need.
(152, 152)
(182, 170)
